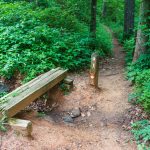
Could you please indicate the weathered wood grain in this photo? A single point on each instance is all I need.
(94, 70)
(22, 126)
(22, 97)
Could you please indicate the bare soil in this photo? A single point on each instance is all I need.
(102, 115)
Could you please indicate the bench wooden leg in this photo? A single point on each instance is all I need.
(22, 126)
(68, 83)
(52, 96)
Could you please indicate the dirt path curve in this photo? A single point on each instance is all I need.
(99, 127)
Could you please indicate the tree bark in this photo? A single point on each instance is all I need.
(141, 39)
(129, 18)
(104, 8)
(93, 19)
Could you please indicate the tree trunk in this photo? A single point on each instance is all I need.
(104, 9)
(93, 19)
(141, 38)
(129, 18)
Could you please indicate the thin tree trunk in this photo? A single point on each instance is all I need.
(141, 38)
(93, 22)
(129, 18)
(104, 8)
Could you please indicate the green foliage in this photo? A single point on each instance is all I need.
(104, 43)
(141, 132)
(137, 67)
(2, 123)
(117, 28)
(36, 39)
(142, 84)
(3, 94)
(143, 89)
(64, 88)
(41, 114)
(129, 46)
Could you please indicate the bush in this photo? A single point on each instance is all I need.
(137, 67)
(117, 29)
(142, 83)
(104, 41)
(40, 49)
(142, 87)
(129, 46)
(141, 132)
(36, 39)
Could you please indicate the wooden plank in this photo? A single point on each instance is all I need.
(94, 70)
(23, 99)
(68, 81)
(68, 84)
(22, 126)
(32, 82)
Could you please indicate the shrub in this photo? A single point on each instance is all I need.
(134, 68)
(129, 46)
(104, 41)
(141, 132)
(36, 39)
(142, 83)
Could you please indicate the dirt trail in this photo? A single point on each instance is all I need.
(99, 127)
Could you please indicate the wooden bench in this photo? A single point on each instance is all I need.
(27, 93)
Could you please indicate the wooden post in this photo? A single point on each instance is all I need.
(22, 126)
(94, 71)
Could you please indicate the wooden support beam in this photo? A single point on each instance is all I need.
(68, 83)
(94, 70)
(67, 87)
(22, 126)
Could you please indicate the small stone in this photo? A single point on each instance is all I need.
(90, 125)
(82, 114)
(124, 126)
(88, 114)
(68, 119)
(48, 118)
(75, 113)
(93, 108)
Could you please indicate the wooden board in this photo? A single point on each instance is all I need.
(26, 86)
(22, 97)
(22, 126)
(94, 70)
(68, 81)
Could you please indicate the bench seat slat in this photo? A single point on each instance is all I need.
(26, 85)
(32, 91)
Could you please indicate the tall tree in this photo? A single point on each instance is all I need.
(129, 18)
(93, 22)
(144, 25)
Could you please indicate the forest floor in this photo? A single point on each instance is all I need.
(100, 126)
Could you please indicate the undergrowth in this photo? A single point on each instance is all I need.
(141, 132)
(35, 39)
(139, 74)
